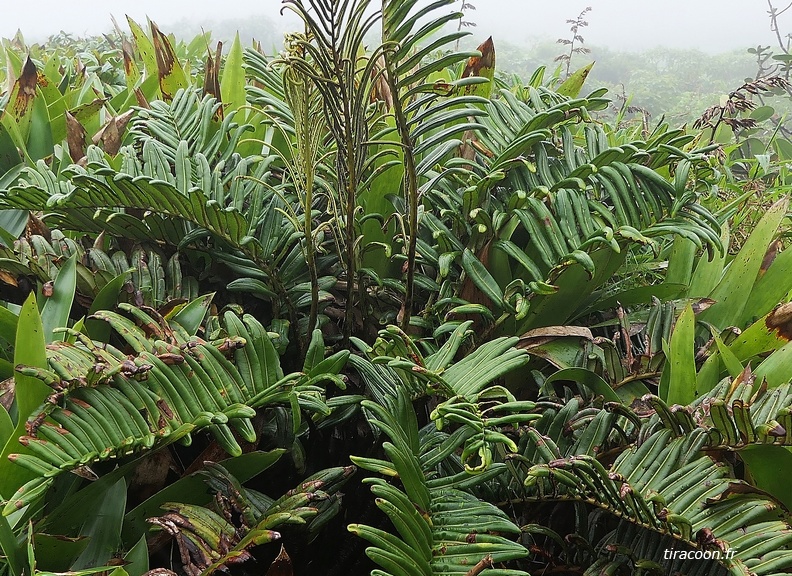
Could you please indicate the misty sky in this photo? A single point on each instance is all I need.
(712, 25)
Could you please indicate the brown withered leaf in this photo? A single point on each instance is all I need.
(111, 134)
(111, 137)
(166, 59)
(541, 336)
(761, 391)
(123, 119)
(151, 474)
(780, 320)
(212, 75)
(7, 393)
(745, 377)
(481, 565)
(467, 149)
(481, 65)
(75, 137)
(168, 66)
(702, 304)
(282, 565)
(8, 278)
(24, 91)
(128, 51)
(538, 341)
(141, 99)
(770, 256)
(381, 91)
(36, 227)
(736, 488)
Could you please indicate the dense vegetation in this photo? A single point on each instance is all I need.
(349, 310)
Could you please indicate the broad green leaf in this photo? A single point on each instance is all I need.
(708, 375)
(732, 363)
(574, 289)
(191, 316)
(587, 378)
(56, 553)
(770, 468)
(316, 351)
(770, 288)
(639, 295)
(735, 287)
(764, 335)
(8, 325)
(681, 364)
(145, 49)
(29, 350)
(10, 548)
(56, 310)
(574, 84)
(709, 272)
(12, 129)
(375, 199)
(6, 426)
(480, 276)
(107, 299)
(762, 113)
(783, 148)
(137, 558)
(12, 224)
(192, 489)
(232, 81)
(103, 528)
(172, 77)
(9, 154)
(40, 141)
(680, 261)
(776, 368)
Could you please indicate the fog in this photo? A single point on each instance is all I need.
(710, 25)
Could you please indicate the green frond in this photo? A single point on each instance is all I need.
(437, 530)
(106, 404)
(665, 483)
(206, 536)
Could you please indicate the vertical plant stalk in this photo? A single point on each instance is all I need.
(462, 22)
(410, 186)
(351, 203)
(335, 33)
(576, 25)
(307, 136)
